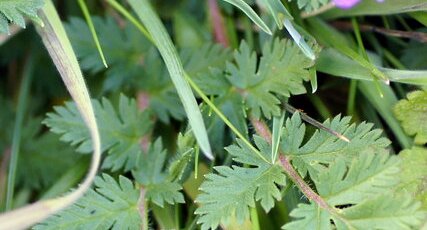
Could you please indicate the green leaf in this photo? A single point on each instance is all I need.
(368, 175)
(360, 196)
(120, 131)
(281, 70)
(33, 172)
(111, 205)
(311, 5)
(309, 216)
(125, 49)
(323, 148)
(414, 174)
(149, 172)
(15, 10)
(412, 112)
(234, 189)
(176, 71)
(243, 6)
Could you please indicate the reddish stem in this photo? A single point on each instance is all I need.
(262, 129)
(218, 23)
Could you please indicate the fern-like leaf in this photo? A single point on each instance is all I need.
(234, 189)
(15, 11)
(150, 173)
(111, 205)
(360, 196)
(280, 72)
(120, 131)
(323, 148)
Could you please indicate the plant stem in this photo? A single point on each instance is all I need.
(254, 219)
(142, 207)
(16, 142)
(291, 172)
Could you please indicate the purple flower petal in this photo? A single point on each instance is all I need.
(345, 4)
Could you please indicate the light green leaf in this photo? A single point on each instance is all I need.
(412, 112)
(361, 197)
(309, 216)
(414, 174)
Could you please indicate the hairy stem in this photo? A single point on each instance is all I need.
(142, 207)
(263, 130)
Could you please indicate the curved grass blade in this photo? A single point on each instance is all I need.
(163, 42)
(243, 6)
(59, 47)
(86, 14)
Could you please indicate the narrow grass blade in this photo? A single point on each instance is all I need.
(299, 40)
(333, 62)
(383, 105)
(277, 133)
(86, 14)
(163, 42)
(59, 47)
(243, 6)
(16, 142)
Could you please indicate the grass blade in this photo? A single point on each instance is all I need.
(277, 133)
(243, 6)
(22, 103)
(92, 30)
(59, 47)
(163, 42)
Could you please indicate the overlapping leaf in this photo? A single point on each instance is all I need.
(360, 197)
(15, 10)
(150, 173)
(120, 131)
(323, 148)
(234, 189)
(111, 205)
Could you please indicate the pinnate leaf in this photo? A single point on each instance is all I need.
(121, 130)
(111, 205)
(234, 189)
(323, 148)
(150, 173)
(15, 10)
